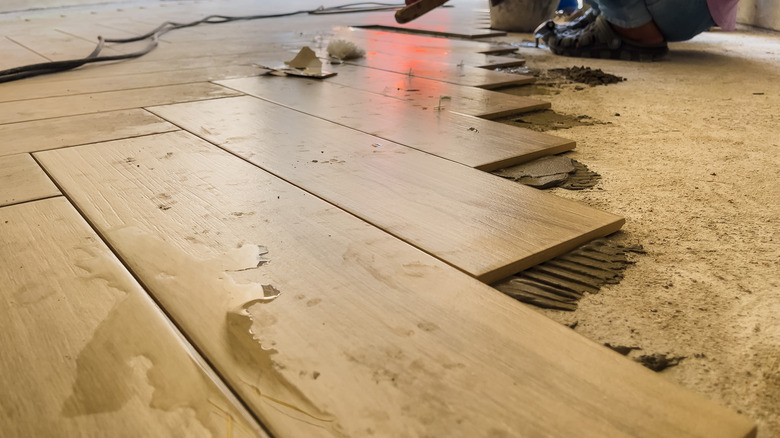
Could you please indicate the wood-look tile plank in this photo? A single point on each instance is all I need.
(55, 45)
(415, 40)
(15, 55)
(85, 350)
(497, 61)
(433, 54)
(145, 65)
(21, 180)
(417, 47)
(368, 335)
(24, 90)
(471, 101)
(90, 31)
(467, 140)
(50, 107)
(59, 132)
(436, 205)
(454, 74)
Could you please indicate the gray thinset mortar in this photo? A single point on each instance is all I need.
(562, 281)
(549, 120)
(552, 171)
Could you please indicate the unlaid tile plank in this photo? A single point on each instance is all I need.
(366, 335)
(21, 180)
(452, 73)
(59, 132)
(50, 107)
(467, 140)
(436, 205)
(471, 101)
(85, 350)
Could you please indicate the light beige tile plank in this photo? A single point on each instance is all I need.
(60, 132)
(21, 180)
(415, 40)
(24, 90)
(50, 107)
(452, 73)
(436, 205)
(15, 55)
(144, 65)
(85, 351)
(471, 101)
(418, 47)
(90, 30)
(496, 61)
(369, 336)
(57, 46)
(453, 136)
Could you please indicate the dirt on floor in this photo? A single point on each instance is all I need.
(689, 152)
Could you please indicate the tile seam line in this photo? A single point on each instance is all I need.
(31, 200)
(26, 48)
(173, 324)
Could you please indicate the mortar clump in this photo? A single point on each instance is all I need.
(587, 75)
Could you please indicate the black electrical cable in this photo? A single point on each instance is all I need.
(43, 68)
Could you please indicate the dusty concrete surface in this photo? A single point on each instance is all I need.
(691, 159)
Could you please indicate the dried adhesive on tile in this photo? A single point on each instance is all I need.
(215, 303)
(250, 346)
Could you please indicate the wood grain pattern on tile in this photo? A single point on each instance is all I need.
(53, 86)
(471, 101)
(449, 135)
(50, 107)
(452, 73)
(92, 354)
(21, 180)
(66, 131)
(327, 326)
(484, 225)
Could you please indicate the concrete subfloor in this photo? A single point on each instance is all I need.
(690, 156)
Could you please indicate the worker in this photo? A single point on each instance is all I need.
(636, 29)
